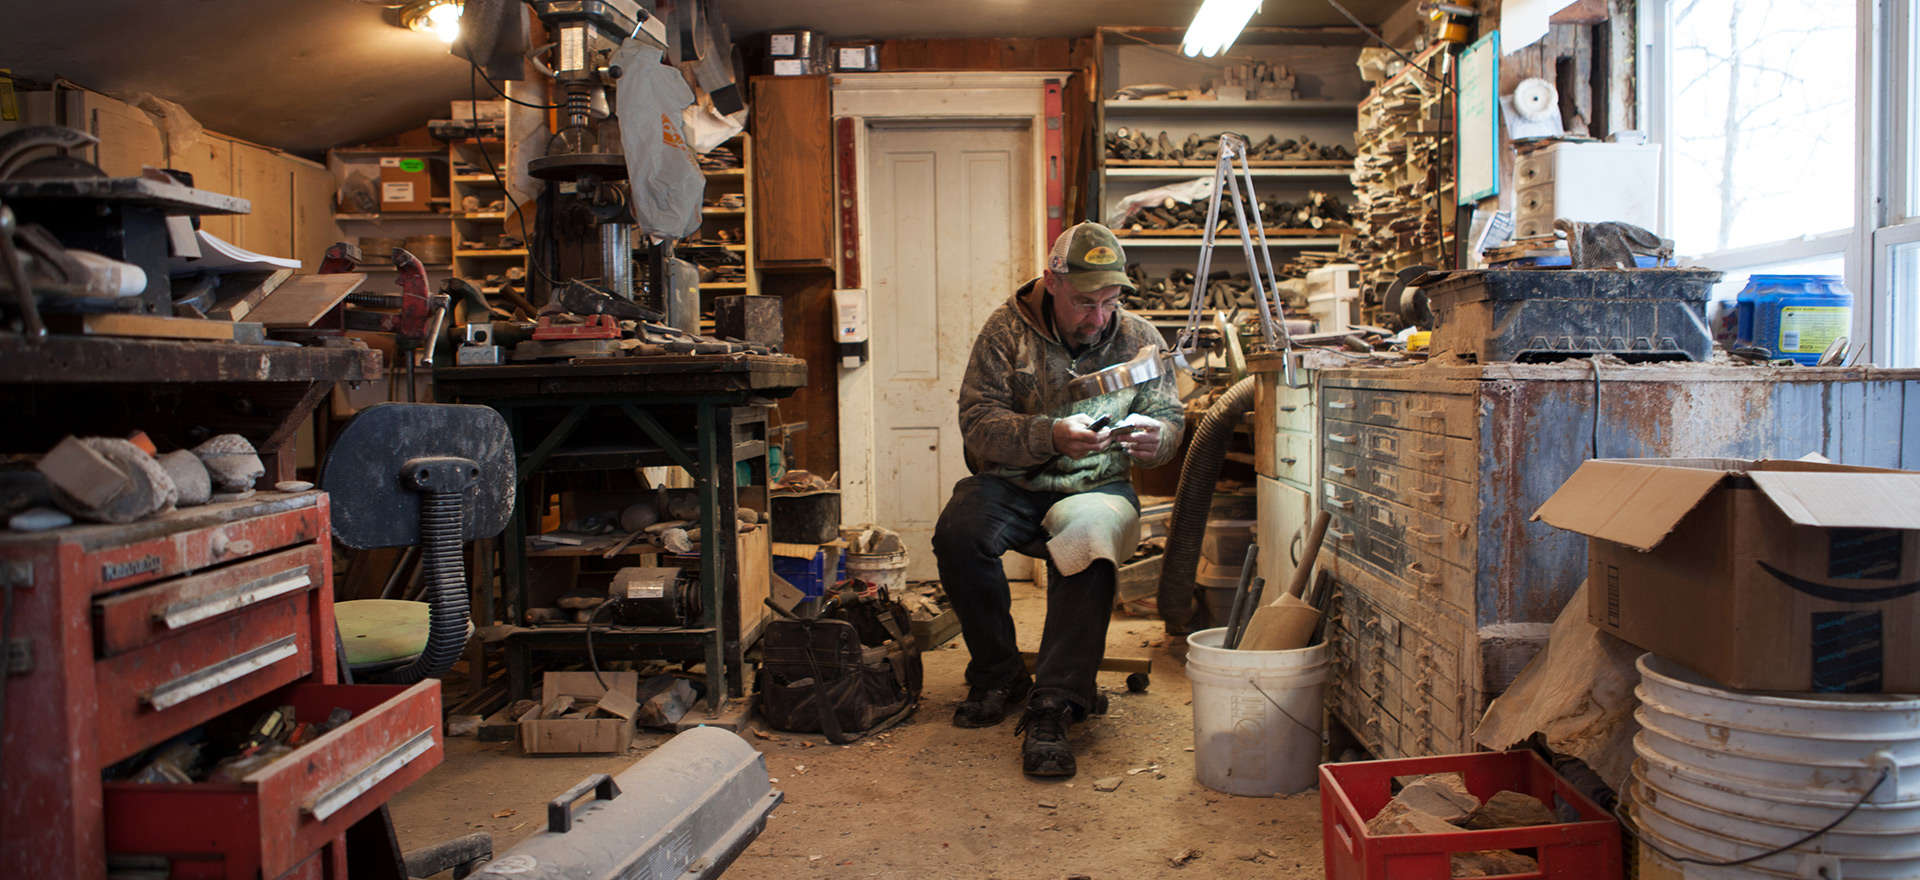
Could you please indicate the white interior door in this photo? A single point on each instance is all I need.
(952, 227)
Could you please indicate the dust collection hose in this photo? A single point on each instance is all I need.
(444, 573)
(1194, 501)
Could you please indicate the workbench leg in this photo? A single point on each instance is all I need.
(714, 451)
(480, 599)
(728, 526)
(518, 685)
(277, 450)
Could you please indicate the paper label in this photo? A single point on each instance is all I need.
(1810, 329)
(790, 67)
(646, 590)
(396, 191)
(853, 59)
(573, 48)
(389, 161)
(782, 44)
(413, 166)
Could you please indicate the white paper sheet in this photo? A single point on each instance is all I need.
(217, 255)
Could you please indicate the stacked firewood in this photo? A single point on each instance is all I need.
(1317, 211)
(1134, 143)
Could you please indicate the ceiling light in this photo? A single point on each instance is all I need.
(438, 17)
(1216, 26)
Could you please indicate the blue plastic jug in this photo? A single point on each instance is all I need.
(1793, 316)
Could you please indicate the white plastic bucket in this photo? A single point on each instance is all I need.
(883, 569)
(1726, 774)
(1256, 716)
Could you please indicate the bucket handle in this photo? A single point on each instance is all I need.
(1283, 710)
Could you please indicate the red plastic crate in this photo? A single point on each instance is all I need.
(1350, 794)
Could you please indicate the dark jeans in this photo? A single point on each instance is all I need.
(986, 517)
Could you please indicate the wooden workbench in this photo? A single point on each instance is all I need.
(59, 385)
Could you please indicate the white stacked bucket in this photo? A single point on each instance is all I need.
(1256, 715)
(1724, 775)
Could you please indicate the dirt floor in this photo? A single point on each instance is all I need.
(927, 799)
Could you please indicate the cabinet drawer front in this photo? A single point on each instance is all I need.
(150, 693)
(125, 621)
(120, 566)
(1293, 457)
(1448, 414)
(291, 808)
(1445, 497)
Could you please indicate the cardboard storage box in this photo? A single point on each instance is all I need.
(1763, 575)
(580, 736)
(406, 182)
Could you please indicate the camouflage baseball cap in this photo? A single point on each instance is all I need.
(1090, 258)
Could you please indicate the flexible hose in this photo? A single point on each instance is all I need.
(445, 574)
(1194, 501)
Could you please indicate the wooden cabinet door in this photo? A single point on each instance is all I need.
(793, 171)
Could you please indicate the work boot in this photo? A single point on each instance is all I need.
(1045, 752)
(985, 707)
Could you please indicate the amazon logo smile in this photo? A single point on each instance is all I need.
(1849, 595)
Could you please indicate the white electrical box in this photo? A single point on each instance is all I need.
(1590, 183)
(850, 326)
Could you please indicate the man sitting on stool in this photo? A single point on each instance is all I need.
(1047, 467)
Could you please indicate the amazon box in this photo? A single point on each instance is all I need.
(1761, 575)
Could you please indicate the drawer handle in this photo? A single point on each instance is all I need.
(1429, 454)
(1422, 575)
(1289, 461)
(1338, 536)
(233, 668)
(1341, 438)
(1427, 413)
(1428, 495)
(1337, 504)
(258, 590)
(1339, 404)
(1339, 470)
(365, 778)
(1428, 537)
(1290, 408)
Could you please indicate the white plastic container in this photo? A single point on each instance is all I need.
(1726, 774)
(883, 569)
(1256, 716)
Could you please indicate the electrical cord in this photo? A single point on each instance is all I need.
(1808, 838)
(593, 661)
(513, 207)
(502, 93)
(1397, 53)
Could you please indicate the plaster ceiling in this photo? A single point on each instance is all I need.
(304, 75)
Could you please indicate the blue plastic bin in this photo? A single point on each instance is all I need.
(809, 574)
(1794, 316)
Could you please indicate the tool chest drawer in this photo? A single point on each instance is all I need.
(278, 816)
(1429, 412)
(1446, 456)
(1415, 532)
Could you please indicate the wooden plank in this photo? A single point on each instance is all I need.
(239, 292)
(81, 359)
(793, 173)
(302, 300)
(155, 327)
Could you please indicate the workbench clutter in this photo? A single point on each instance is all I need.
(114, 480)
(585, 322)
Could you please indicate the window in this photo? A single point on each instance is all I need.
(1791, 136)
(1763, 121)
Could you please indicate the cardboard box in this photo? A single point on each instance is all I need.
(1762, 575)
(582, 736)
(406, 182)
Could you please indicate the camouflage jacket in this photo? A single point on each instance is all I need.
(1016, 386)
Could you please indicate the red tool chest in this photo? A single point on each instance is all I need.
(122, 636)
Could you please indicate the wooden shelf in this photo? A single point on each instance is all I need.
(723, 285)
(437, 152)
(1228, 108)
(394, 216)
(480, 215)
(516, 252)
(1185, 171)
(1222, 241)
(726, 172)
(724, 212)
(476, 178)
(388, 267)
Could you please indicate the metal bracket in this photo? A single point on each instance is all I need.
(19, 656)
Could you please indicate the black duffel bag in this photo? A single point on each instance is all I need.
(852, 671)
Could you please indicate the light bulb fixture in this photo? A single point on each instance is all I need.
(438, 17)
(1216, 26)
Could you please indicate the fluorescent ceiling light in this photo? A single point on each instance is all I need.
(1216, 26)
